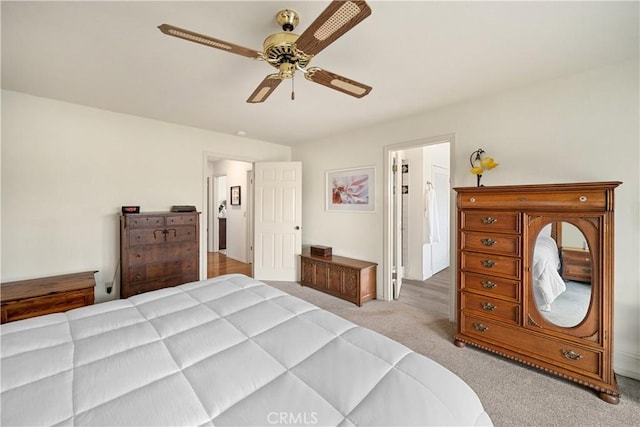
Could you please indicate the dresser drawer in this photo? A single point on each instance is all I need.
(550, 350)
(181, 220)
(151, 236)
(157, 271)
(140, 255)
(490, 285)
(152, 285)
(507, 244)
(504, 222)
(502, 310)
(135, 221)
(494, 265)
(582, 200)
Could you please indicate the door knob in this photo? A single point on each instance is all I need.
(297, 227)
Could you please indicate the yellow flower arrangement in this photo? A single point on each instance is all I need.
(479, 164)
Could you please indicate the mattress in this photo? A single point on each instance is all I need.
(224, 351)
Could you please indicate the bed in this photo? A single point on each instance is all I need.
(224, 351)
(547, 282)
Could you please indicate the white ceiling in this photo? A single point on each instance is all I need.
(417, 56)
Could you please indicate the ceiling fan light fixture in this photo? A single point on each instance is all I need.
(339, 19)
(289, 52)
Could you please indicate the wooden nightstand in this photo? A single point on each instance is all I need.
(35, 297)
(576, 264)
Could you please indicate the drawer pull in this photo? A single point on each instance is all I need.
(488, 284)
(488, 306)
(583, 198)
(488, 242)
(488, 263)
(572, 355)
(480, 327)
(586, 270)
(164, 232)
(489, 220)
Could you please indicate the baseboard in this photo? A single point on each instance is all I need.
(627, 364)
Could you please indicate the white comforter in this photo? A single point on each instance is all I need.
(224, 351)
(548, 284)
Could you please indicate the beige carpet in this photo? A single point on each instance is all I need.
(512, 394)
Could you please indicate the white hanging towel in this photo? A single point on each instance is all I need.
(430, 226)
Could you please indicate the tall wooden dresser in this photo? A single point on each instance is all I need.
(503, 306)
(158, 250)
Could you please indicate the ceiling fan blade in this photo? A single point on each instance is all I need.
(338, 18)
(264, 89)
(334, 81)
(209, 41)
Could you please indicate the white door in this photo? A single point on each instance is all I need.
(398, 269)
(278, 218)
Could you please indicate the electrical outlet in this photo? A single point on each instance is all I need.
(108, 286)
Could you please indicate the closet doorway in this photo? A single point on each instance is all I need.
(418, 217)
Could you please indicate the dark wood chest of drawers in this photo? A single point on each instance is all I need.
(350, 279)
(157, 250)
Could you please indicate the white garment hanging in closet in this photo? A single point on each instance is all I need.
(431, 228)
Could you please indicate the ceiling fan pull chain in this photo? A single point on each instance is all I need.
(293, 93)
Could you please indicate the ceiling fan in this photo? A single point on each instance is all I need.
(289, 52)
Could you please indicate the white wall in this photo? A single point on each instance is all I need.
(67, 170)
(579, 128)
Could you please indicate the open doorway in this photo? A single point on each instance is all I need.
(418, 219)
(228, 217)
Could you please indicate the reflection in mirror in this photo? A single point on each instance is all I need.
(562, 274)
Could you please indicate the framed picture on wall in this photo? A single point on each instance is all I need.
(235, 196)
(351, 190)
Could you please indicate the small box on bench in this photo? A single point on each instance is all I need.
(319, 250)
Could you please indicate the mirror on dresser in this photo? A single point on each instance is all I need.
(561, 273)
(535, 277)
